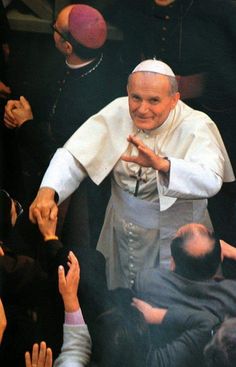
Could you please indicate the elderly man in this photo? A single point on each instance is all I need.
(162, 175)
(84, 87)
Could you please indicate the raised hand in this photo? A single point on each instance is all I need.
(41, 356)
(146, 157)
(68, 284)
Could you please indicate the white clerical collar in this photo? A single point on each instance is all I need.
(72, 66)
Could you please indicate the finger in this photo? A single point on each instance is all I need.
(31, 214)
(25, 103)
(27, 359)
(45, 212)
(8, 117)
(42, 354)
(37, 215)
(53, 212)
(10, 106)
(135, 140)
(48, 362)
(61, 276)
(129, 158)
(35, 354)
(9, 122)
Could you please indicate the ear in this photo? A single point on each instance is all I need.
(175, 99)
(172, 264)
(68, 48)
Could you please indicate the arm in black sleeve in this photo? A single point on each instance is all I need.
(34, 138)
(195, 328)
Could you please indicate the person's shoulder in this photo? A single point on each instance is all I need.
(195, 119)
(151, 276)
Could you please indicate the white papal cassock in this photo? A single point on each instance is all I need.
(137, 230)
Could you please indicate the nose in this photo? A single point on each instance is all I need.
(143, 107)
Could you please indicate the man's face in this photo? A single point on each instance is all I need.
(150, 101)
(163, 2)
(60, 27)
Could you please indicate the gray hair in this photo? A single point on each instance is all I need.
(172, 81)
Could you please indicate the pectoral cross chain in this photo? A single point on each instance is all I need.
(139, 178)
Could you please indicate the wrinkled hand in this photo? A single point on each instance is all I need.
(3, 320)
(43, 205)
(68, 284)
(5, 91)
(152, 315)
(146, 157)
(17, 112)
(41, 356)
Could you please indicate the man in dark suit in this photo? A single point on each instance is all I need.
(192, 283)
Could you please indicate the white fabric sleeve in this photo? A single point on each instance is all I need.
(189, 180)
(76, 347)
(64, 174)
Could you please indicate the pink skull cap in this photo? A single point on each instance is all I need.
(154, 66)
(87, 26)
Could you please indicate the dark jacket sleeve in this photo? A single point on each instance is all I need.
(195, 330)
(35, 139)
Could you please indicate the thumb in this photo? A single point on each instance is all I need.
(61, 276)
(25, 103)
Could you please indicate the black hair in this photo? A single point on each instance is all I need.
(81, 51)
(120, 337)
(199, 267)
(221, 350)
(5, 215)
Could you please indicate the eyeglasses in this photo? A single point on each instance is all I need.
(18, 206)
(54, 28)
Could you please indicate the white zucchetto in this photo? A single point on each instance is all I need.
(154, 66)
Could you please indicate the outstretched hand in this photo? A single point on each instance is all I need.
(41, 356)
(152, 315)
(68, 284)
(146, 157)
(43, 206)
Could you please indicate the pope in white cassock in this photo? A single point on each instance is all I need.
(165, 160)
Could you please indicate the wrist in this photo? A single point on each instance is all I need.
(50, 237)
(71, 305)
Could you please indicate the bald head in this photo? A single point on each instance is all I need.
(196, 252)
(198, 239)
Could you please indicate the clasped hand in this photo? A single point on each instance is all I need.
(17, 112)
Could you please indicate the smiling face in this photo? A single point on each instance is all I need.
(150, 99)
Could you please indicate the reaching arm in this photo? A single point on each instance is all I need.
(195, 330)
(63, 176)
(76, 348)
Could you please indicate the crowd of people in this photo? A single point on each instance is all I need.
(127, 193)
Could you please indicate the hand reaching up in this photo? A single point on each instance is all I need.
(41, 356)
